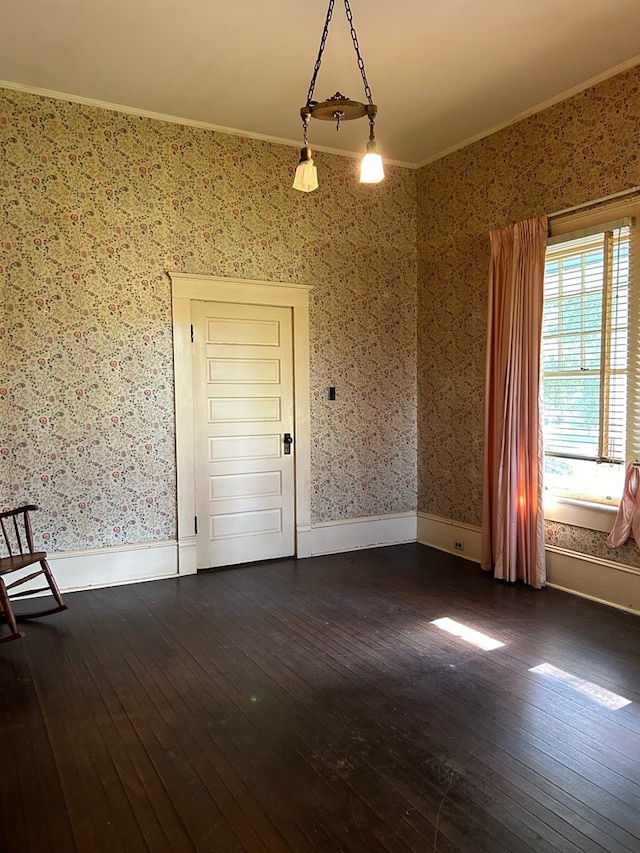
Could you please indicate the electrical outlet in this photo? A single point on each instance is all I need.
(459, 546)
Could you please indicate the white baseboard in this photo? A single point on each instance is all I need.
(352, 534)
(589, 577)
(598, 580)
(442, 533)
(187, 555)
(304, 540)
(98, 567)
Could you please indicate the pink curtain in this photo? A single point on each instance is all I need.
(627, 520)
(512, 524)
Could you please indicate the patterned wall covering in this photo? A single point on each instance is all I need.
(96, 207)
(577, 151)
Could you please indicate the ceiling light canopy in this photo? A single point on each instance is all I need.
(338, 108)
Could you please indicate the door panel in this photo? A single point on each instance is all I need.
(261, 371)
(243, 524)
(245, 485)
(245, 409)
(243, 405)
(235, 448)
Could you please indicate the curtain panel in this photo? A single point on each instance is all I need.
(512, 524)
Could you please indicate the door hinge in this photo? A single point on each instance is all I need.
(192, 333)
(195, 523)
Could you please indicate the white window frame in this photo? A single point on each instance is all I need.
(574, 511)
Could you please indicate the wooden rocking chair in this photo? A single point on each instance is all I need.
(18, 547)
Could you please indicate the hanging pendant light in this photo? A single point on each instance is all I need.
(306, 178)
(371, 168)
(338, 108)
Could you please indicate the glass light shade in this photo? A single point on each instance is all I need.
(306, 178)
(371, 169)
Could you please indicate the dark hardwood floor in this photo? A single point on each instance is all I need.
(313, 706)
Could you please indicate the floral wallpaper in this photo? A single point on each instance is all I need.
(96, 207)
(574, 152)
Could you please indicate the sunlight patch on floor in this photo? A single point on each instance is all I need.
(476, 638)
(593, 691)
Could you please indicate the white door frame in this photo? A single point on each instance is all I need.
(206, 288)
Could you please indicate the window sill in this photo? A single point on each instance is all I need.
(577, 513)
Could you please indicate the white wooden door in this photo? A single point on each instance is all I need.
(243, 407)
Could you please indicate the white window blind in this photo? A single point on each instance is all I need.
(589, 365)
(584, 350)
(633, 379)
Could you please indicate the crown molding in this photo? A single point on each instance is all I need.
(556, 99)
(229, 131)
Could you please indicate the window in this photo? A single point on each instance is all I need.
(589, 374)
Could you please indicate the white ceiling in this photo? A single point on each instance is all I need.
(443, 72)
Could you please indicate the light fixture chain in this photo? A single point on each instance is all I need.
(354, 39)
(323, 41)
